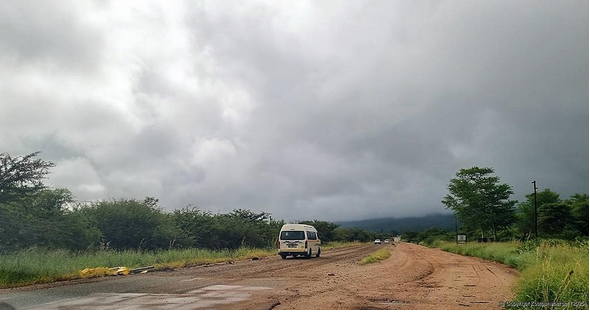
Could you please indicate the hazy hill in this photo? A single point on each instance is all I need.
(444, 221)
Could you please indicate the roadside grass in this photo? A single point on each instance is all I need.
(380, 254)
(552, 272)
(35, 266)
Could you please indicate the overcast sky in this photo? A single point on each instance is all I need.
(338, 110)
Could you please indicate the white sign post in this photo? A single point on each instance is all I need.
(461, 239)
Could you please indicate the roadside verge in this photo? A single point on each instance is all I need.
(554, 274)
(37, 266)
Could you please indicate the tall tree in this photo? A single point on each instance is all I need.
(554, 218)
(21, 176)
(579, 209)
(480, 201)
(526, 209)
(128, 223)
(46, 219)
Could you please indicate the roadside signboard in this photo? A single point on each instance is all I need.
(461, 239)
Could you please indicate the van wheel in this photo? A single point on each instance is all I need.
(319, 252)
(284, 256)
(308, 256)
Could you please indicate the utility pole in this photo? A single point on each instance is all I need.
(456, 230)
(535, 196)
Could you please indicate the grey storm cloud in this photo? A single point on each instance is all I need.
(332, 110)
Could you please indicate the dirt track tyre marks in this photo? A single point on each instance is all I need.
(277, 267)
(414, 277)
(294, 266)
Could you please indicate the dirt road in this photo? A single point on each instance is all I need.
(415, 277)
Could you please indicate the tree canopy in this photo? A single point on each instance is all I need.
(526, 209)
(21, 176)
(555, 218)
(480, 201)
(33, 215)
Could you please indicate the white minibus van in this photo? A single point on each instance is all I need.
(299, 240)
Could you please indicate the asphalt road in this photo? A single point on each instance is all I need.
(415, 277)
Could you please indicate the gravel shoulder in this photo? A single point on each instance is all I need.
(414, 277)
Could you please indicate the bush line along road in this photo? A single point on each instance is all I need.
(413, 277)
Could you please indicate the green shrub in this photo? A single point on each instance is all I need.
(380, 254)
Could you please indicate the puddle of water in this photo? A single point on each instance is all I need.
(221, 287)
(255, 288)
(192, 279)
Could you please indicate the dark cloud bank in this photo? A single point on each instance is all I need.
(333, 110)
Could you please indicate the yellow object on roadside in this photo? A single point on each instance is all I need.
(122, 271)
(101, 271)
(94, 272)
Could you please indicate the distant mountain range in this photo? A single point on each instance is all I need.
(443, 221)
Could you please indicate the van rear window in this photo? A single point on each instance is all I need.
(292, 235)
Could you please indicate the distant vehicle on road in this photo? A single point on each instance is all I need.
(299, 240)
(386, 241)
(378, 241)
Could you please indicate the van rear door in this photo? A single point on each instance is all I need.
(292, 241)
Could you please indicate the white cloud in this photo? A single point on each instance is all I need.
(333, 110)
(78, 175)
